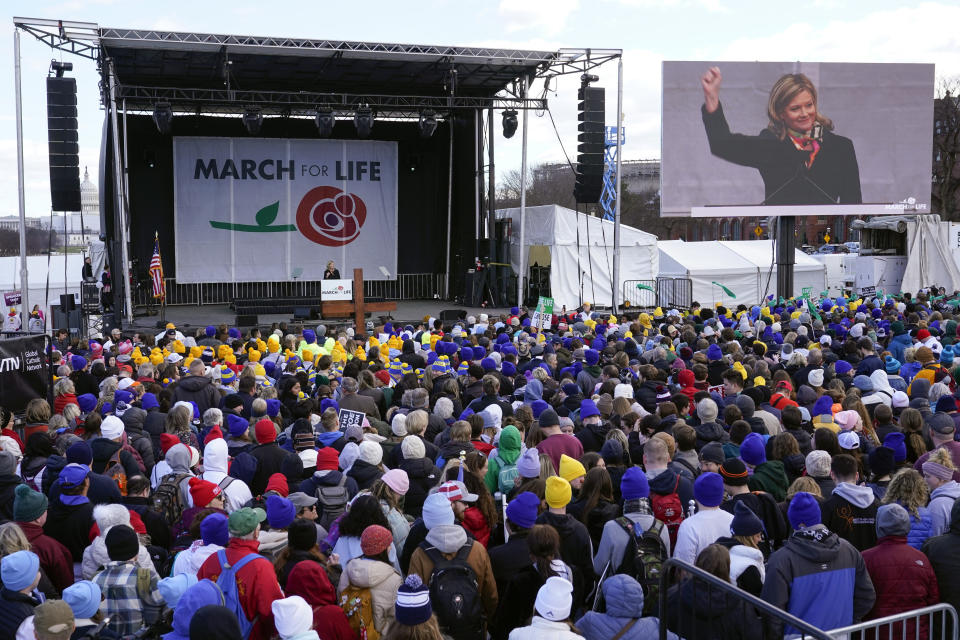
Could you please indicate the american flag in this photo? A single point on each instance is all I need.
(156, 271)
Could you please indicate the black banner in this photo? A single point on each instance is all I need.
(23, 372)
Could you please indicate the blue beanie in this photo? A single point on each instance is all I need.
(171, 588)
(488, 364)
(280, 512)
(309, 336)
(522, 510)
(708, 489)
(745, 522)
(18, 570)
(592, 357)
(84, 598)
(804, 511)
(466, 353)
(634, 483)
(210, 331)
(122, 395)
(588, 408)
(752, 450)
(273, 407)
(237, 425)
(891, 365)
(714, 353)
(946, 357)
(823, 406)
(897, 441)
(538, 407)
(214, 529)
(87, 402)
(842, 367)
(329, 403)
(149, 401)
(508, 369)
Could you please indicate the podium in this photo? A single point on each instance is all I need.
(355, 308)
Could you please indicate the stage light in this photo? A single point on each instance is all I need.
(587, 78)
(363, 121)
(509, 123)
(163, 117)
(59, 68)
(252, 119)
(428, 123)
(325, 122)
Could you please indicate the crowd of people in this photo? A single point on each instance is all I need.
(489, 478)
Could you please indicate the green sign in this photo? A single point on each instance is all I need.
(543, 315)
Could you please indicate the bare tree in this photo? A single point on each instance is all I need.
(946, 148)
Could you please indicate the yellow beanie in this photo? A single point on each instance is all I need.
(253, 355)
(273, 344)
(261, 345)
(570, 469)
(738, 367)
(558, 492)
(178, 347)
(258, 370)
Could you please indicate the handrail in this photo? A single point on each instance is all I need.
(805, 628)
(889, 621)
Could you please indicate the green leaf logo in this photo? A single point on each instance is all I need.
(268, 214)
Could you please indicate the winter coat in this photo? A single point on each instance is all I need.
(943, 556)
(256, 581)
(270, 460)
(192, 558)
(598, 517)
(816, 566)
(699, 531)
(329, 620)
(898, 344)
(903, 579)
(8, 486)
(708, 432)
(96, 557)
(920, 528)
(423, 476)
(154, 425)
(448, 539)
(272, 542)
(592, 436)
(134, 419)
(312, 485)
(776, 527)
(770, 477)
(104, 449)
(508, 450)
(70, 524)
(541, 629)
(623, 597)
(398, 524)
(851, 513)
(559, 444)
(348, 548)
(666, 483)
(215, 467)
(364, 473)
(508, 558)
(614, 541)
(197, 389)
(55, 559)
(696, 612)
(576, 549)
(941, 502)
(15, 607)
(803, 440)
(476, 525)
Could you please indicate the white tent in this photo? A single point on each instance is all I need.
(38, 270)
(579, 251)
(807, 272)
(708, 262)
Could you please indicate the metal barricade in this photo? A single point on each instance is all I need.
(640, 293)
(941, 622)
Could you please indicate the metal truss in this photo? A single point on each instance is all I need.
(228, 101)
(569, 61)
(608, 198)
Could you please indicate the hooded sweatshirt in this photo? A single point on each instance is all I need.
(508, 452)
(95, 556)
(215, 470)
(771, 477)
(382, 580)
(941, 502)
(624, 602)
(311, 583)
(814, 567)
(178, 457)
(851, 513)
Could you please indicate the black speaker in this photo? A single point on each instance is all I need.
(449, 316)
(590, 147)
(72, 321)
(90, 298)
(63, 147)
(247, 320)
(67, 302)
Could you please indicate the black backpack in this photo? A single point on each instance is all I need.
(455, 593)
(332, 502)
(643, 560)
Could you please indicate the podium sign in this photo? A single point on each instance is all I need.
(336, 290)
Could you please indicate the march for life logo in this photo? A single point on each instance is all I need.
(257, 209)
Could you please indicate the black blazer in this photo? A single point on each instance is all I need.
(834, 177)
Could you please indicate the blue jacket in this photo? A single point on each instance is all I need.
(898, 344)
(920, 529)
(624, 602)
(816, 566)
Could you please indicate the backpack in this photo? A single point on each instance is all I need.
(116, 472)
(332, 501)
(643, 560)
(357, 605)
(668, 510)
(507, 476)
(455, 593)
(227, 581)
(168, 499)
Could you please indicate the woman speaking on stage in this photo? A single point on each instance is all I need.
(800, 158)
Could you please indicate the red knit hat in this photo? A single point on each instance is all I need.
(375, 540)
(213, 435)
(328, 459)
(265, 431)
(383, 376)
(278, 483)
(168, 440)
(203, 491)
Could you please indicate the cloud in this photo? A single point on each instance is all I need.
(546, 16)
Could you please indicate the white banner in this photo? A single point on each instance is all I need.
(258, 209)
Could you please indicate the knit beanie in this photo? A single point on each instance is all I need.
(522, 510)
(437, 511)
(278, 484)
(203, 492)
(328, 459)
(892, 520)
(804, 510)
(817, 464)
(745, 522)
(397, 480)
(292, 616)
(554, 599)
(122, 543)
(896, 440)
(708, 489)
(612, 452)
(214, 529)
(375, 540)
(707, 410)
(171, 588)
(371, 452)
(882, 461)
(558, 492)
(549, 418)
(84, 597)
(588, 408)
(752, 450)
(265, 431)
(570, 469)
(713, 452)
(280, 512)
(528, 464)
(413, 602)
(412, 447)
(28, 505)
(301, 535)
(237, 426)
(734, 472)
(634, 484)
(19, 569)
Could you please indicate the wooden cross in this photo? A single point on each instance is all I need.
(357, 308)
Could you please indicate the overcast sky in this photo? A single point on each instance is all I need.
(649, 31)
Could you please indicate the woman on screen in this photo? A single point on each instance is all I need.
(331, 273)
(799, 157)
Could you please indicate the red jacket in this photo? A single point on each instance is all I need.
(477, 525)
(63, 400)
(257, 585)
(903, 579)
(309, 581)
(55, 559)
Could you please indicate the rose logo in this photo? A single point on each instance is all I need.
(330, 216)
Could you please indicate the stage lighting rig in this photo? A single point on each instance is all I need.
(163, 117)
(509, 123)
(363, 121)
(252, 120)
(59, 68)
(428, 123)
(325, 122)
(587, 78)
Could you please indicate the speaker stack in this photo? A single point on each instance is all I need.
(590, 147)
(63, 144)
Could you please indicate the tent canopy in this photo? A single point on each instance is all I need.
(807, 272)
(580, 249)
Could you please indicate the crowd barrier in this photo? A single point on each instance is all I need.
(665, 292)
